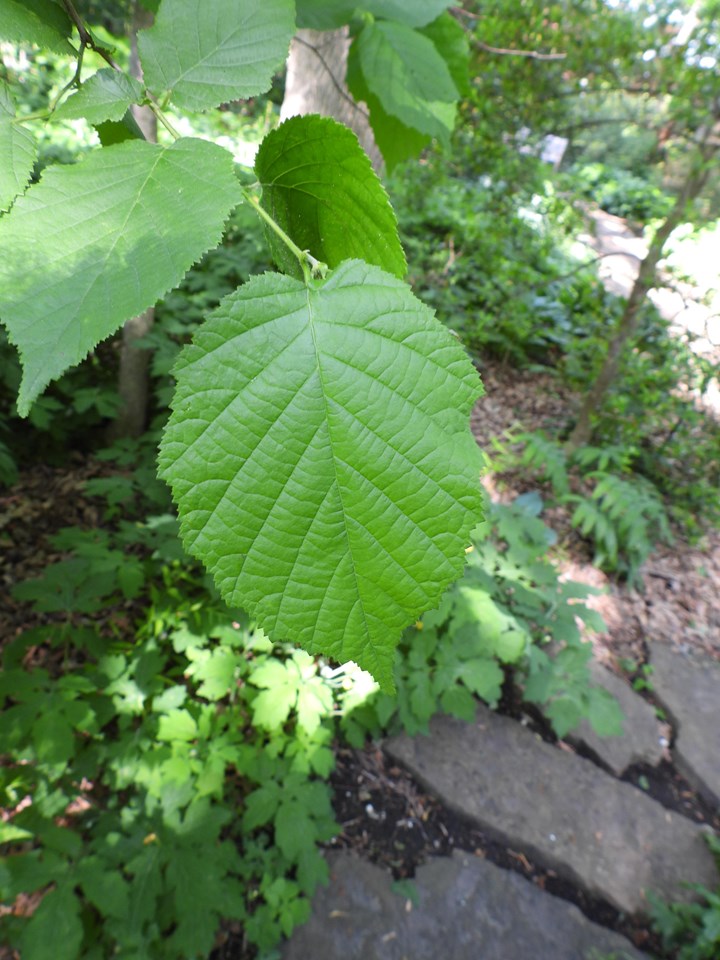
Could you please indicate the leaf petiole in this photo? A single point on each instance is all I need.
(309, 265)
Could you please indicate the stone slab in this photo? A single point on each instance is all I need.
(467, 909)
(560, 809)
(640, 740)
(688, 686)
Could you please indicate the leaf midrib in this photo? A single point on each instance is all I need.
(316, 348)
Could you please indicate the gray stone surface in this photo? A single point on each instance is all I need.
(640, 741)
(468, 909)
(562, 810)
(688, 687)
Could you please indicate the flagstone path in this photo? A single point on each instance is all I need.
(563, 811)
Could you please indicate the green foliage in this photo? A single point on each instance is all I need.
(651, 413)
(623, 514)
(331, 492)
(510, 610)
(621, 193)
(182, 797)
(691, 930)
(324, 193)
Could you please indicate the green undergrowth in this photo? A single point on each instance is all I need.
(691, 931)
(165, 766)
(620, 512)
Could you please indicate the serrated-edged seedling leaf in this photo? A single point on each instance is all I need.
(106, 95)
(40, 22)
(403, 69)
(318, 184)
(98, 242)
(17, 152)
(206, 52)
(54, 931)
(321, 460)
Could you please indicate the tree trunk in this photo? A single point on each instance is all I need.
(134, 376)
(628, 324)
(315, 83)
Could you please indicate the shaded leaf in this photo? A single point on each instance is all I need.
(402, 68)
(96, 243)
(54, 931)
(321, 460)
(413, 13)
(35, 21)
(106, 95)
(452, 44)
(207, 52)
(395, 141)
(320, 187)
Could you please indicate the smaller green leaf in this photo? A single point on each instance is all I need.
(18, 150)
(403, 69)
(319, 186)
(43, 26)
(106, 95)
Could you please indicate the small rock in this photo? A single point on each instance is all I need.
(688, 686)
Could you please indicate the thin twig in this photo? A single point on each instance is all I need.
(86, 38)
(508, 52)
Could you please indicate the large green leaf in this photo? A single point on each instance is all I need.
(319, 185)
(96, 243)
(403, 69)
(38, 22)
(206, 52)
(321, 460)
(106, 95)
(17, 152)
